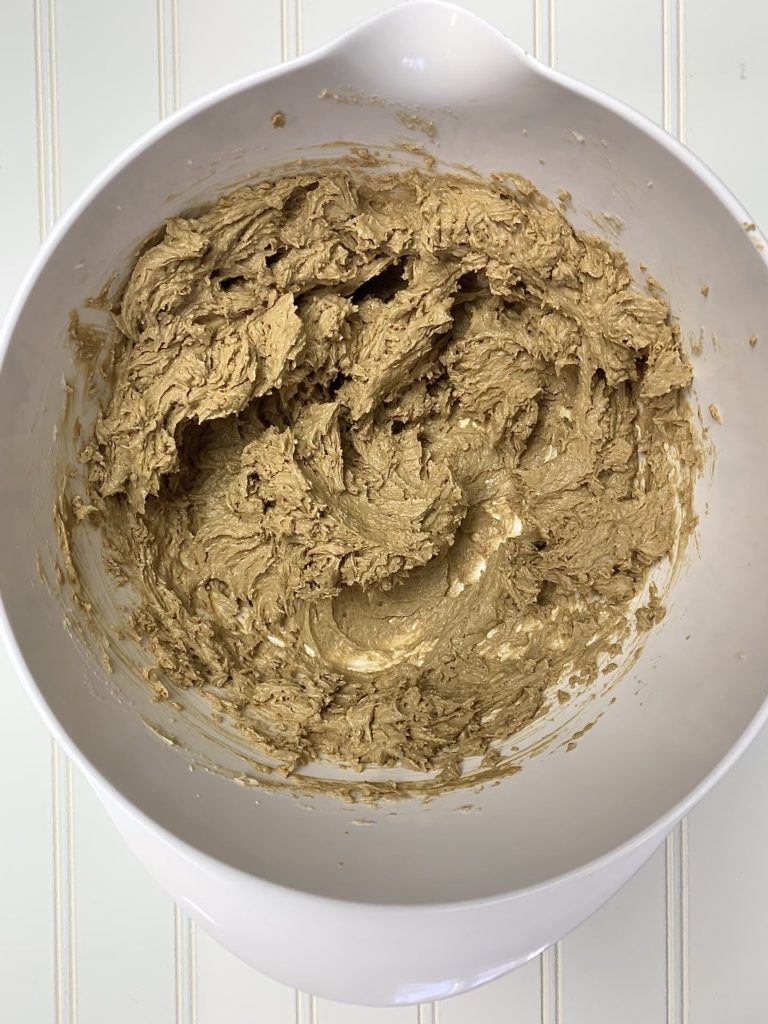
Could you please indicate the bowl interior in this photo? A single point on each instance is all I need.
(699, 681)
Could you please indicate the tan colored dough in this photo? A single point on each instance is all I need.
(386, 458)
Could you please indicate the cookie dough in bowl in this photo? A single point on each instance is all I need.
(387, 458)
(262, 427)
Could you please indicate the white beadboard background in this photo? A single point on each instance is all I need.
(85, 935)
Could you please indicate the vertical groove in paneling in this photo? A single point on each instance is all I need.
(186, 989)
(49, 199)
(168, 63)
(69, 819)
(552, 32)
(192, 939)
(47, 114)
(677, 926)
(673, 46)
(681, 73)
(685, 974)
(551, 973)
(64, 890)
(429, 1013)
(306, 1008)
(291, 29)
(299, 31)
(544, 30)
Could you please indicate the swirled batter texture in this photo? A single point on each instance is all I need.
(387, 456)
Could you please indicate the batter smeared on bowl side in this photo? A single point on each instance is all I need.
(387, 456)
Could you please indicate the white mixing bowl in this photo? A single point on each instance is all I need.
(428, 901)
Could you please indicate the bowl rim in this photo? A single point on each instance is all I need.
(399, 16)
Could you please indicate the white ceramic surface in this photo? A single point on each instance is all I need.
(448, 856)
